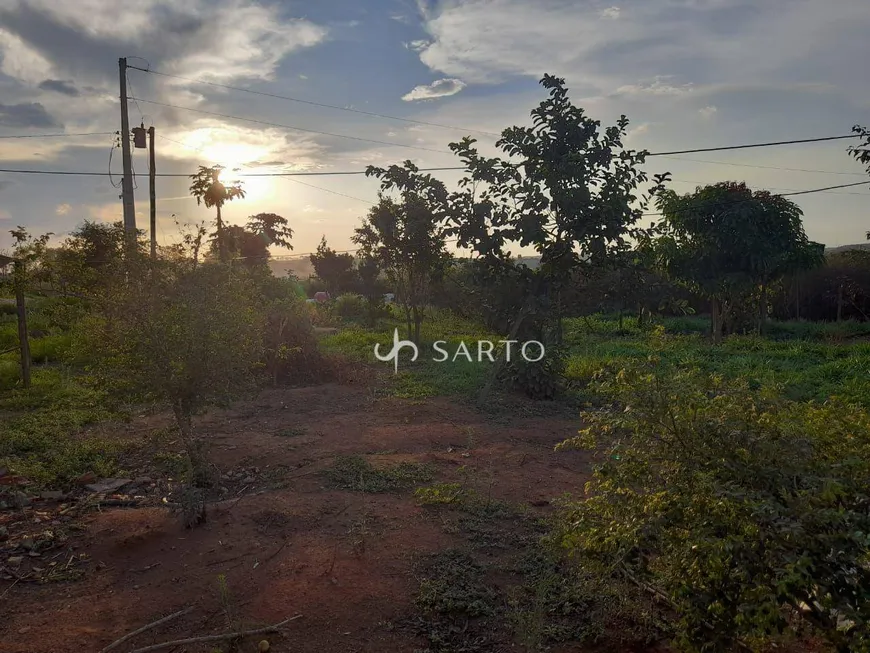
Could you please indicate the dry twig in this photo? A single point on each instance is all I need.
(215, 638)
(153, 624)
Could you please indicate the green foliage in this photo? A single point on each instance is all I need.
(351, 307)
(357, 474)
(405, 238)
(183, 337)
(744, 509)
(41, 431)
(208, 189)
(335, 270)
(440, 494)
(291, 354)
(452, 584)
(726, 240)
(543, 379)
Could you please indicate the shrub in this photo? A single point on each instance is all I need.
(290, 346)
(351, 307)
(749, 513)
(543, 379)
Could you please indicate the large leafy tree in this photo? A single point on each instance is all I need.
(406, 237)
(861, 153)
(271, 228)
(729, 242)
(565, 187)
(239, 243)
(208, 189)
(334, 269)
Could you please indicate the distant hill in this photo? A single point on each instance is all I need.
(843, 248)
(301, 267)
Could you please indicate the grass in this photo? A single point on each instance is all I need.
(805, 368)
(41, 434)
(356, 474)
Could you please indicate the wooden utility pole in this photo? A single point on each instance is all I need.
(127, 180)
(152, 192)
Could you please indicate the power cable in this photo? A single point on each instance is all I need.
(314, 104)
(58, 135)
(751, 165)
(281, 126)
(754, 145)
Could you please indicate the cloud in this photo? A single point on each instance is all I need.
(658, 86)
(438, 88)
(59, 86)
(218, 39)
(62, 209)
(708, 112)
(26, 114)
(417, 46)
(611, 13)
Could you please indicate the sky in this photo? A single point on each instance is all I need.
(687, 73)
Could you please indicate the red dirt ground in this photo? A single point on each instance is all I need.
(288, 549)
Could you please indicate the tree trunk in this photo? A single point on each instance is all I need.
(418, 319)
(716, 320)
(500, 361)
(840, 301)
(222, 247)
(762, 310)
(23, 337)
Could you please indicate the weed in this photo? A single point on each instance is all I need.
(452, 584)
(292, 432)
(357, 474)
(440, 494)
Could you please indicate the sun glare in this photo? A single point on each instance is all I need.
(236, 159)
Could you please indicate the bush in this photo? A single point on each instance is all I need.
(747, 511)
(543, 379)
(351, 307)
(291, 351)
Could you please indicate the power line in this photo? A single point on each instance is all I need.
(334, 192)
(704, 183)
(752, 165)
(798, 192)
(281, 126)
(314, 104)
(58, 135)
(753, 145)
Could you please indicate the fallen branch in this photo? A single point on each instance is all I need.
(153, 624)
(215, 638)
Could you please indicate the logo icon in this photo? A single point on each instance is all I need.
(394, 352)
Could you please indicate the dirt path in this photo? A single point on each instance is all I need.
(285, 542)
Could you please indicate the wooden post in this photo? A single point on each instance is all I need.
(22, 323)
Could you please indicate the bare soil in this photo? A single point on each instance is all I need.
(285, 542)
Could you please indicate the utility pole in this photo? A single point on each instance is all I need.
(127, 181)
(152, 192)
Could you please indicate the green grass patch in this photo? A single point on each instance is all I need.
(355, 473)
(41, 433)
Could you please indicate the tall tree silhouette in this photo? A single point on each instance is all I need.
(209, 190)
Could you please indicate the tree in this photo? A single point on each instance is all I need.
(566, 189)
(728, 242)
(271, 228)
(335, 270)
(181, 337)
(861, 153)
(371, 287)
(239, 243)
(207, 188)
(406, 236)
